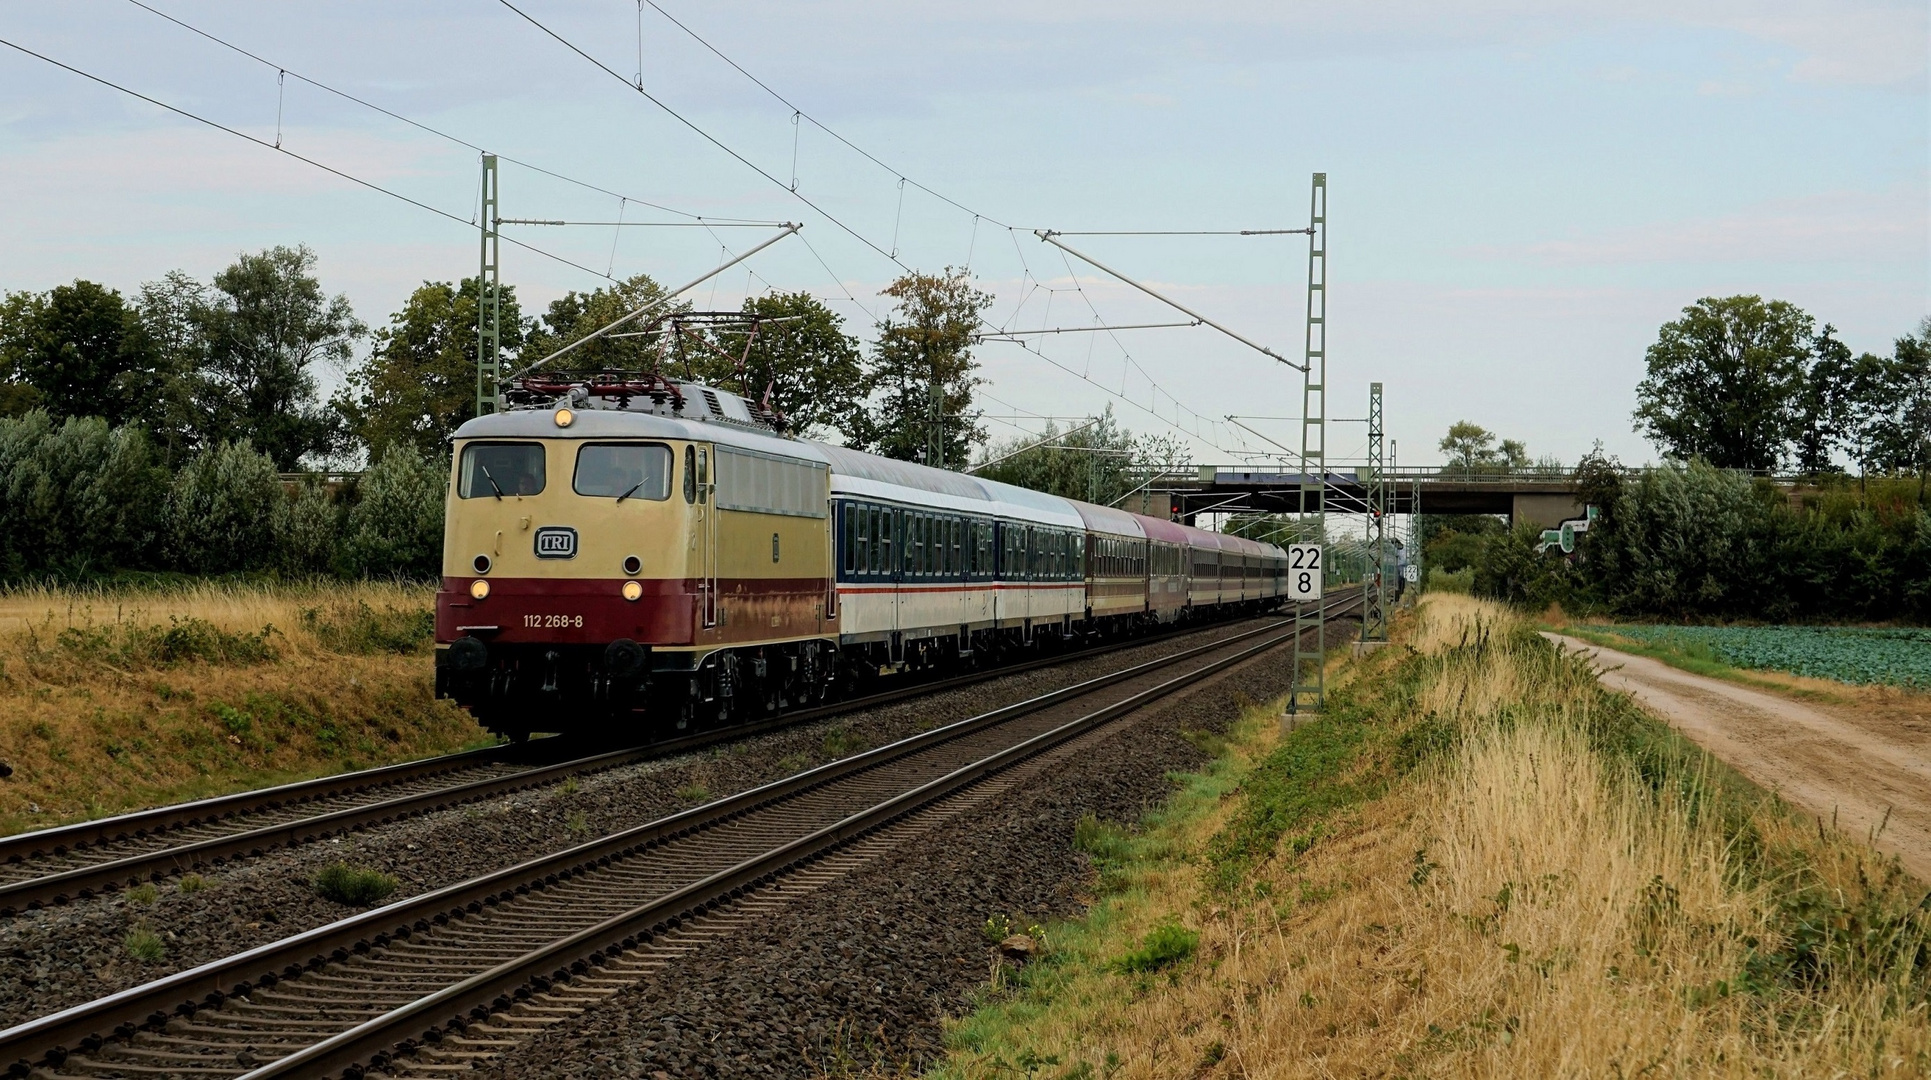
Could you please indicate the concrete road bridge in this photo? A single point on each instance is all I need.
(1544, 498)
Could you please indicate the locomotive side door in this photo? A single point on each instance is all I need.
(896, 532)
(707, 538)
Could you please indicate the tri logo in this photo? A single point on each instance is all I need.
(556, 542)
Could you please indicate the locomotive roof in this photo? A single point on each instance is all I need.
(593, 423)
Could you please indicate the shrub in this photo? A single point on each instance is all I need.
(1164, 946)
(352, 885)
(359, 628)
(1456, 581)
(221, 511)
(1510, 568)
(395, 527)
(309, 529)
(128, 645)
(76, 497)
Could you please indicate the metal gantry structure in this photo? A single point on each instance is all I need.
(1308, 692)
(489, 309)
(1374, 586)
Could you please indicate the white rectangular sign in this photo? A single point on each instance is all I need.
(1303, 571)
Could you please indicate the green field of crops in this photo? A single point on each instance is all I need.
(1847, 654)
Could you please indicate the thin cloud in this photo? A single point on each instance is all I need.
(1842, 227)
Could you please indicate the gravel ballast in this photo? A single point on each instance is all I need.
(859, 974)
(69, 954)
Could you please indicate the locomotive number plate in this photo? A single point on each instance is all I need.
(556, 542)
(551, 622)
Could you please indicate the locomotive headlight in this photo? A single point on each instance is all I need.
(633, 590)
(565, 417)
(478, 589)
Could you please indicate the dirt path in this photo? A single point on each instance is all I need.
(1830, 760)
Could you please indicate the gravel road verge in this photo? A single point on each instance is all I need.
(69, 954)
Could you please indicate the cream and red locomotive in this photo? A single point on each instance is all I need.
(639, 557)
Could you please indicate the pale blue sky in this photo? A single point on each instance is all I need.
(1520, 193)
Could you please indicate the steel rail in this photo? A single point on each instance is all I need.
(84, 882)
(50, 1038)
(22, 846)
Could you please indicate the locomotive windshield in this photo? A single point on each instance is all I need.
(493, 470)
(624, 470)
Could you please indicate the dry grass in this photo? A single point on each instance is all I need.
(1529, 901)
(112, 700)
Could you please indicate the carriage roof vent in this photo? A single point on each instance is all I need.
(710, 400)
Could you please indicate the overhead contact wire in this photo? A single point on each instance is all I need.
(891, 256)
(265, 144)
(419, 125)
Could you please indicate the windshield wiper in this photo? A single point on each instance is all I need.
(491, 479)
(633, 489)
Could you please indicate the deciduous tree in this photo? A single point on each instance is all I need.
(76, 350)
(1102, 464)
(1470, 449)
(575, 314)
(803, 359)
(925, 343)
(418, 384)
(267, 324)
(1726, 382)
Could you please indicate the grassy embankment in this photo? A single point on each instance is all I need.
(115, 700)
(1476, 863)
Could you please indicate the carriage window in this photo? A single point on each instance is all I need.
(690, 474)
(491, 470)
(623, 471)
(851, 539)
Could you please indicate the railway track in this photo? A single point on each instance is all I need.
(80, 861)
(432, 983)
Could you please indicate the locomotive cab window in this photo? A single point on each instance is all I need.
(623, 471)
(494, 470)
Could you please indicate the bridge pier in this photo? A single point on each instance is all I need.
(1544, 510)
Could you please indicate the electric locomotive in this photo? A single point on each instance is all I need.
(637, 557)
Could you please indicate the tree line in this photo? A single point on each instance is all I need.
(1690, 541)
(1735, 389)
(155, 432)
(199, 364)
(1743, 383)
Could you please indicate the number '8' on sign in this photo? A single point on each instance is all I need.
(1304, 571)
